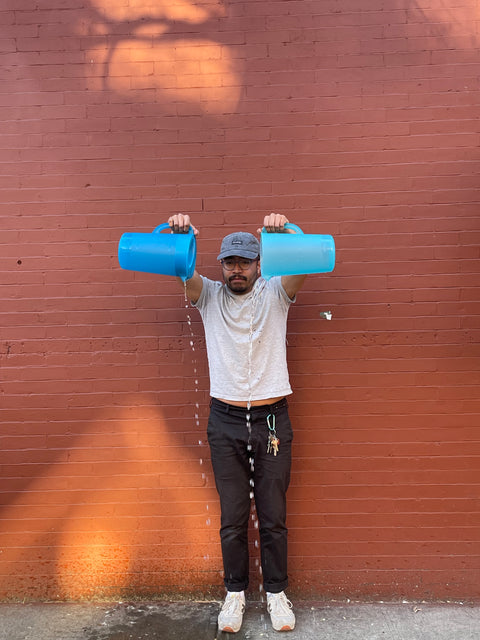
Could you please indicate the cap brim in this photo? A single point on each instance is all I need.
(240, 253)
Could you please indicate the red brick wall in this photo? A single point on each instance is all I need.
(362, 122)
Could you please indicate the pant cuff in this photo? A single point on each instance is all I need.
(276, 588)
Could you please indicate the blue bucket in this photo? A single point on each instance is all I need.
(286, 254)
(170, 254)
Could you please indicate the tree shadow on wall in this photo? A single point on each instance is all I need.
(166, 53)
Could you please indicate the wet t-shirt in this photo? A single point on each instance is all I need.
(246, 340)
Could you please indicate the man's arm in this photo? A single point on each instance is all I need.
(275, 223)
(180, 223)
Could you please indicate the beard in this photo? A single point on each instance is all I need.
(237, 283)
(240, 284)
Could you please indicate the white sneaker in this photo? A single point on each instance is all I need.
(231, 616)
(280, 610)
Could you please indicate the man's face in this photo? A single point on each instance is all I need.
(240, 274)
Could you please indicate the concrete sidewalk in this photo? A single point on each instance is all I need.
(198, 621)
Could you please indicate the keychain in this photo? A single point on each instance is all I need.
(273, 441)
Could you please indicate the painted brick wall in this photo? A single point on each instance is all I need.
(355, 119)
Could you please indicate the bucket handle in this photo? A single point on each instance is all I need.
(288, 225)
(163, 226)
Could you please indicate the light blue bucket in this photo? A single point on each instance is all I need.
(170, 254)
(285, 254)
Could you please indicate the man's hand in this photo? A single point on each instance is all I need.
(275, 223)
(180, 223)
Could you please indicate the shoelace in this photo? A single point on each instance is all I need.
(280, 604)
(232, 603)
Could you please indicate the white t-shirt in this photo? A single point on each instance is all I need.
(246, 340)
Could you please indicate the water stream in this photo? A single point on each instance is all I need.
(196, 392)
(257, 290)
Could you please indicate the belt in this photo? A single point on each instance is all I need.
(231, 408)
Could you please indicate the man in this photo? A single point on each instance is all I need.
(249, 430)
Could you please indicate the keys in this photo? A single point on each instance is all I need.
(273, 441)
(272, 445)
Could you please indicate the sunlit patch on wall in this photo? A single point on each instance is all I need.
(164, 53)
(179, 71)
(112, 499)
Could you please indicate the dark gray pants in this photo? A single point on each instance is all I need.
(232, 462)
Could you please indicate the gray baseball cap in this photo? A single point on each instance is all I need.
(241, 244)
